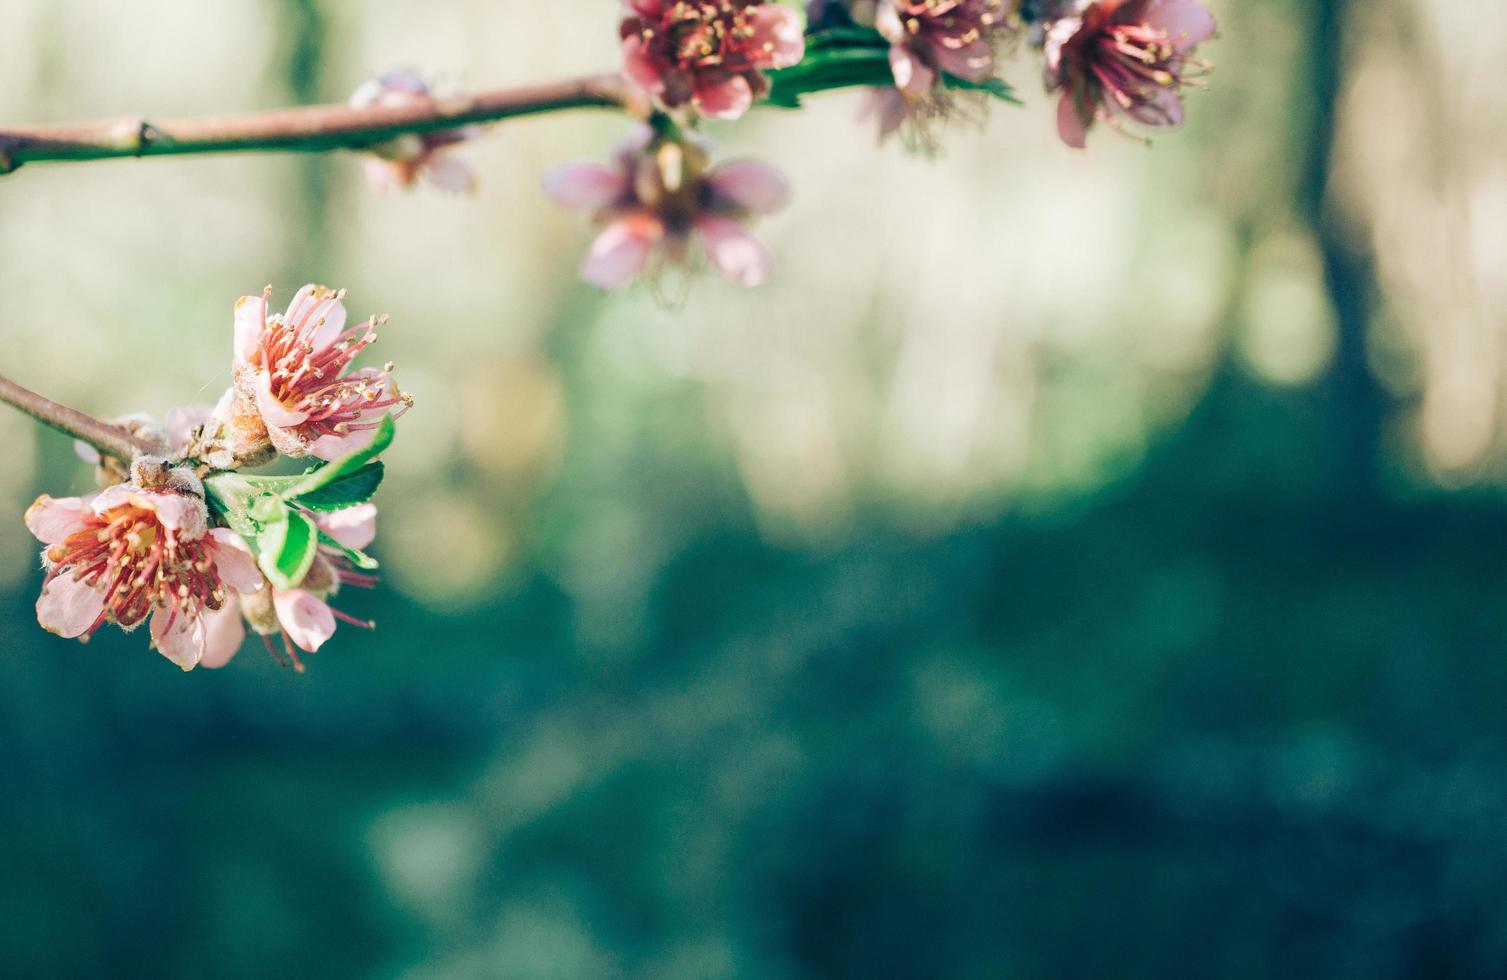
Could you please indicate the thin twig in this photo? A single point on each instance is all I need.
(109, 439)
(307, 129)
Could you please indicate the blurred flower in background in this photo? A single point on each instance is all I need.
(659, 193)
(400, 162)
(709, 55)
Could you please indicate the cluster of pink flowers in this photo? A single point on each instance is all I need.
(147, 545)
(1108, 61)
(1111, 60)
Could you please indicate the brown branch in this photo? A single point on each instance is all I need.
(109, 439)
(307, 129)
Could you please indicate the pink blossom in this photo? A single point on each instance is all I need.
(401, 161)
(141, 549)
(1123, 59)
(302, 618)
(292, 369)
(710, 54)
(931, 37)
(657, 196)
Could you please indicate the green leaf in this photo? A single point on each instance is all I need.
(275, 485)
(853, 57)
(358, 557)
(346, 465)
(827, 69)
(230, 495)
(347, 491)
(286, 549)
(845, 36)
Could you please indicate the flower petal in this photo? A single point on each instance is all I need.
(1164, 107)
(187, 515)
(111, 497)
(250, 323)
(273, 411)
(366, 94)
(354, 527)
(52, 519)
(911, 76)
(974, 62)
(887, 22)
(585, 185)
(724, 100)
(384, 177)
(450, 173)
(317, 310)
(179, 638)
(68, 607)
(181, 422)
(640, 68)
(1185, 22)
(306, 618)
(233, 560)
(777, 31)
(734, 252)
(750, 184)
(890, 106)
(1058, 34)
(1071, 125)
(332, 447)
(224, 632)
(618, 254)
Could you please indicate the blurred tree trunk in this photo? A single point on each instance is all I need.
(303, 24)
(1358, 404)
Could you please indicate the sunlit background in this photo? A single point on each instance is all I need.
(1072, 564)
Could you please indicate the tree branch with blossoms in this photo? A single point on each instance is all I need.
(185, 534)
(305, 129)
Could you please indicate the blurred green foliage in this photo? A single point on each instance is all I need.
(1216, 720)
